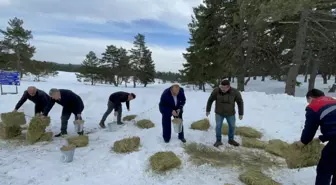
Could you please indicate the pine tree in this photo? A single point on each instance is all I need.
(109, 63)
(89, 68)
(16, 40)
(147, 68)
(124, 70)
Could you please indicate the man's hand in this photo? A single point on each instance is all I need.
(207, 114)
(174, 113)
(79, 116)
(14, 110)
(178, 111)
(240, 117)
(128, 109)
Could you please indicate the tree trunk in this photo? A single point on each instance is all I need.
(125, 83)
(335, 79)
(254, 78)
(333, 88)
(145, 84)
(200, 86)
(233, 81)
(314, 70)
(297, 54)
(325, 78)
(203, 87)
(230, 78)
(263, 78)
(308, 63)
(134, 82)
(247, 80)
(329, 76)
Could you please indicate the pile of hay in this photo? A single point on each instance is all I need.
(36, 130)
(13, 118)
(127, 145)
(164, 161)
(79, 141)
(256, 177)
(145, 124)
(243, 131)
(129, 117)
(67, 148)
(201, 154)
(253, 143)
(277, 147)
(9, 132)
(203, 124)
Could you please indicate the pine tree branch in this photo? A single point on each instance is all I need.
(319, 24)
(322, 34)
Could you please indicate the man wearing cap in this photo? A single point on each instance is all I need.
(39, 97)
(72, 104)
(114, 102)
(225, 97)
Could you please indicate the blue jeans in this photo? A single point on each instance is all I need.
(231, 120)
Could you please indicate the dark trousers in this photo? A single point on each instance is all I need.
(39, 108)
(326, 168)
(65, 118)
(166, 127)
(110, 107)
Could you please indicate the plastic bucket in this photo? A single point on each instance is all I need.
(110, 127)
(178, 126)
(67, 156)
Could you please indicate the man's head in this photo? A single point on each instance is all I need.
(55, 94)
(131, 96)
(175, 89)
(32, 90)
(313, 94)
(225, 85)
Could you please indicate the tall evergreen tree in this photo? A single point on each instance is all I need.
(89, 69)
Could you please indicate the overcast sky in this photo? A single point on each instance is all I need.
(66, 30)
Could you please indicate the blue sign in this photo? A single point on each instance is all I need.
(9, 78)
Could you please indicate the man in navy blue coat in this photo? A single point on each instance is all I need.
(321, 112)
(171, 104)
(72, 104)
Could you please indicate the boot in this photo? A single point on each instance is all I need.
(119, 118)
(233, 142)
(218, 143)
(102, 124)
(63, 133)
(183, 140)
(80, 133)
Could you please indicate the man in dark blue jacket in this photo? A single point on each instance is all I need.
(72, 104)
(39, 97)
(114, 102)
(171, 104)
(321, 112)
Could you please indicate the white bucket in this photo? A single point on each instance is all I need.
(67, 156)
(79, 126)
(110, 127)
(178, 126)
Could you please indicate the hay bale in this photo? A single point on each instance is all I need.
(36, 129)
(13, 118)
(127, 145)
(203, 124)
(256, 177)
(67, 148)
(145, 124)
(78, 141)
(243, 131)
(9, 132)
(129, 117)
(164, 161)
(277, 147)
(253, 143)
(307, 156)
(47, 136)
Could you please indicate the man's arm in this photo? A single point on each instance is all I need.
(183, 99)
(164, 105)
(240, 103)
(211, 99)
(128, 104)
(311, 126)
(22, 100)
(48, 107)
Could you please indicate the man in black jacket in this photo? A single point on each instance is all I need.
(72, 104)
(39, 97)
(114, 102)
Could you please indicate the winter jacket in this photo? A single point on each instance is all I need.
(320, 112)
(40, 99)
(167, 103)
(69, 100)
(225, 102)
(117, 98)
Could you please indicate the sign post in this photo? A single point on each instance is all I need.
(9, 78)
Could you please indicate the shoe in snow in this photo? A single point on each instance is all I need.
(233, 142)
(120, 123)
(80, 133)
(102, 124)
(183, 140)
(218, 143)
(61, 134)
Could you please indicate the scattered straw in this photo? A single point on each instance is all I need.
(202, 154)
(253, 143)
(68, 148)
(37, 128)
(145, 124)
(47, 136)
(129, 117)
(79, 141)
(126, 145)
(13, 118)
(256, 177)
(203, 124)
(243, 131)
(164, 161)
(9, 132)
(277, 147)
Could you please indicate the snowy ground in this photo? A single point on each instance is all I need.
(276, 115)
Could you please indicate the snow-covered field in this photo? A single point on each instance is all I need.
(276, 115)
